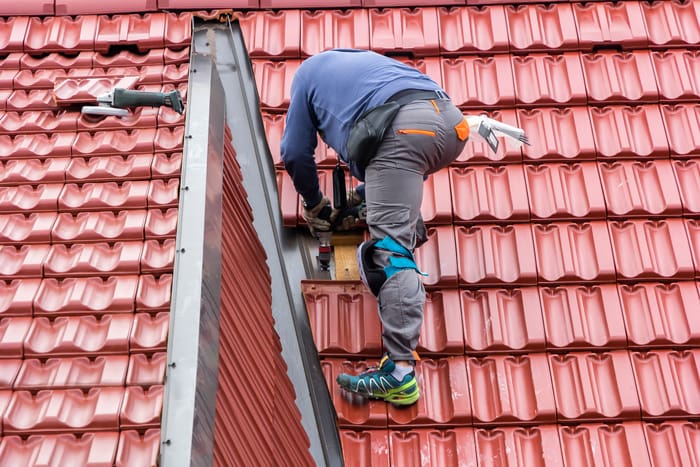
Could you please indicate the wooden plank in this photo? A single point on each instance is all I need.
(344, 252)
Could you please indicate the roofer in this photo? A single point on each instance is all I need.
(394, 126)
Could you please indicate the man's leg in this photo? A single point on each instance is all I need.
(394, 198)
(421, 140)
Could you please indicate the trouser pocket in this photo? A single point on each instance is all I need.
(415, 131)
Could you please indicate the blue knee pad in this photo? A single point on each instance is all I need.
(374, 276)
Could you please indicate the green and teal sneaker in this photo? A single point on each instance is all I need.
(378, 383)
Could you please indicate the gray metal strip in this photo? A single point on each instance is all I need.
(193, 342)
(287, 256)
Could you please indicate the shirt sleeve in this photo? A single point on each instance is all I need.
(298, 144)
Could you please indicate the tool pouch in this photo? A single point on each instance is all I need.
(368, 131)
(340, 193)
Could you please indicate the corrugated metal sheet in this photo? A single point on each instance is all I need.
(257, 421)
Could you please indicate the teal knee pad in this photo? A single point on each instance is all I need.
(373, 275)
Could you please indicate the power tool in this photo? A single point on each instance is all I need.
(118, 100)
(349, 216)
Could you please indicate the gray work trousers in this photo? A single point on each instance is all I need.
(421, 140)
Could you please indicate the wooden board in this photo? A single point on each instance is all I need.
(344, 253)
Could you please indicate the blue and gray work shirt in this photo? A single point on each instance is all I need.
(329, 92)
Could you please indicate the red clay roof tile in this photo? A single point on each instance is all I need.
(413, 30)
(688, 177)
(149, 332)
(60, 34)
(83, 7)
(153, 293)
(604, 444)
(669, 442)
(338, 307)
(146, 370)
(541, 27)
(69, 410)
(98, 226)
(651, 249)
(110, 196)
(582, 317)
(462, 77)
(23, 261)
(132, 167)
(271, 34)
(488, 194)
(518, 445)
(8, 371)
(438, 257)
(613, 77)
(573, 252)
(37, 122)
(668, 383)
(79, 372)
(675, 76)
(368, 447)
(13, 30)
(37, 8)
(629, 132)
(437, 200)
(640, 189)
(68, 336)
(660, 314)
(546, 79)
(670, 23)
(442, 327)
(472, 30)
(502, 320)
(141, 408)
(93, 449)
(33, 171)
(17, 296)
(610, 23)
(92, 295)
(594, 386)
(496, 255)
(682, 124)
(507, 390)
(564, 191)
(161, 223)
(329, 29)
(136, 448)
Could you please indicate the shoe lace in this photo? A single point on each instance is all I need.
(375, 369)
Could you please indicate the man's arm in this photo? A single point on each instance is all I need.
(298, 145)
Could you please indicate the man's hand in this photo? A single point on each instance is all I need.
(321, 216)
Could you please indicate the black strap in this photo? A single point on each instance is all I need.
(409, 95)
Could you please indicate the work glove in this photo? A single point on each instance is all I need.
(356, 199)
(320, 217)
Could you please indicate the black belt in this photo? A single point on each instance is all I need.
(409, 95)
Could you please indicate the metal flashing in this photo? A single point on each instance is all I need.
(191, 375)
